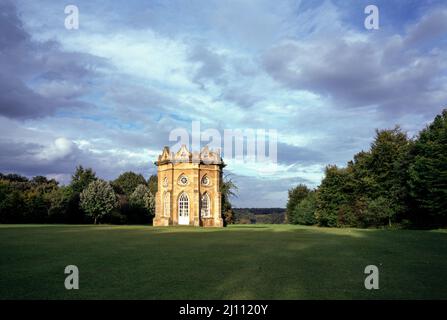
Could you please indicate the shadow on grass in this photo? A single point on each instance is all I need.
(262, 262)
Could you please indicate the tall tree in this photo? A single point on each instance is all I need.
(428, 172)
(304, 212)
(82, 178)
(142, 199)
(389, 166)
(228, 189)
(127, 182)
(296, 195)
(152, 183)
(371, 190)
(333, 197)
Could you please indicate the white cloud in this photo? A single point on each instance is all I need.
(290, 66)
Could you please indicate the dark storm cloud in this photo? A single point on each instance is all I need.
(383, 73)
(28, 159)
(28, 70)
(11, 152)
(31, 159)
(11, 26)
(18, 101)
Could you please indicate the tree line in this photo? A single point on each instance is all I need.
(398, 181)
(129, 199)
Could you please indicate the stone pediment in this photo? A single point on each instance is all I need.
(165, 155)
(183, 155)
(206, 156)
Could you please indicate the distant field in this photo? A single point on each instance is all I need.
(238, 262)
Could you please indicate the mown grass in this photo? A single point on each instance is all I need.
(238, 262)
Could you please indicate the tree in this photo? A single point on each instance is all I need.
(42, 180)
(380, 212)
(98, 199)
(79, 181)
(12, 203)
(142, 198)
(59, 200)
(127, 182)
(36, 205)
(304, 212)
(13, 177)
(82, 178)
(333, 197)
(375, 178)
(389, 167)
(428, 173)
(227, 189)
(295, 196)
(152, 183)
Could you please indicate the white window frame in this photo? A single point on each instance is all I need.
(205, 211)
(183, 204)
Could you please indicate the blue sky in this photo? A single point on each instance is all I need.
(108, 94)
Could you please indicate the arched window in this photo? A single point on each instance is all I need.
(183, 205)
(205, 205)
(167, 205)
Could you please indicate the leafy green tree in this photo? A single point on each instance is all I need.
(304, 212)
(13, 177)
(376, 177)
(389, 167)
(42, 180)
(333, 197)
(228, 189)
(59, 200)
(79, 181)
(296, 195)
(36, 206)
(380, 212)
(142, 198)
(74, 213)
(127, 182)
(152, 183)
(12, 203)
(82, 178)
(98, 199)
(428, 173)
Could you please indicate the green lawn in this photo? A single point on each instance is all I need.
(238, 262)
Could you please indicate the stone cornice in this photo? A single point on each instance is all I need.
(183, 155)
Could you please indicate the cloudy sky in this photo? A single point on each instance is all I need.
(108, 94)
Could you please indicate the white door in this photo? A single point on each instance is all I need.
(183, 209)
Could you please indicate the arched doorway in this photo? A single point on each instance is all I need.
(183, 209)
